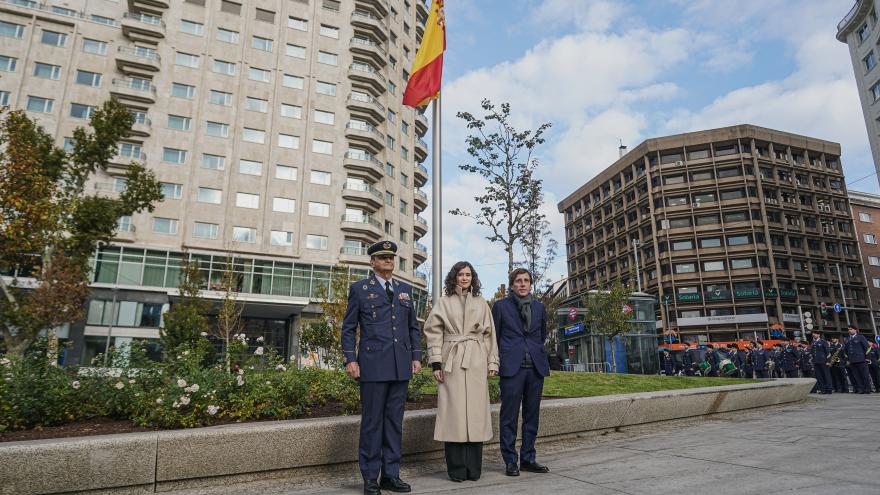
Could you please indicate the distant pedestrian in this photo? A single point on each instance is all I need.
(668, 363)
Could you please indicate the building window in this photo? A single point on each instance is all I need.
(863, 32)
(220, 98)
(284, 205)
(389, 169)
(80, 111)
(53, 38)
(403, 235)
(185, 91)
(870, 61)
(298, 24)
(324, 88)
(213, 162)
(192, 27)
(284, 172)
(165, 226)
(319, 209)
(320, 178)
(682, 245)
(41, 105)
(322, 117)
(874, 260)
(265, 16)
(736, 264)
(328, 58)
(94, 47)
(244, 234)
(389, 141)
(876, 282)
(47, 71)
(227, 36)
(322, 147)
(404, 127)
(254, 136)
(291, 111)
(260, 75)
(288, 141)
(875, 91)
(389, 198)
(328, 31)
(208, 195)
(295, 51)
(316, 242)
(401, 264)
(4, 98)
(217, 129)
(11, 30)
(404, 179)
(870, 239)
(206, 230)
(281, 238)
(256, 104)
(171, 190)
(179, 123)
(295, 82)
(263, 44)
(173, 155)
(738, 240)
(864, 217)
(403, 206)
(7, 64)
(250, 167)
(247, 200)
(186, 60)
(224, 67)
(713, 266)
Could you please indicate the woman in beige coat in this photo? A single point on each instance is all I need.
(463, 354)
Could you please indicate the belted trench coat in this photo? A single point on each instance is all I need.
(460, 335)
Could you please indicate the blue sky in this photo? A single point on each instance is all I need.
(602, 70)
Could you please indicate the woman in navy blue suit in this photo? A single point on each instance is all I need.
(521, 329)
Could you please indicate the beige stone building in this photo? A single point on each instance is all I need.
(276, 127)
(734, 230)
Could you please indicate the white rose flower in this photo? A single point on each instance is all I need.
(204, 334)
(281, 367)
(159, 400)
(115, 373)
(241, 371)
(239, 380)
(120, 385)
(75, 384)
(260, 339)
(131, 381)
(5, 362)
(184, 400)
(175, 405)
(212, 410)
(259, 351)
(181, 382)
(186, 353)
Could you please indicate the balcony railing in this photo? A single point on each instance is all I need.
(366, 99)
(368, 69)
(421, 275)
(366, 15)
(362, 155)
(422, 142)
(373, 44)
(146, 19)
(134, 84)
(57, 10)
(140, 52)
(362, 126)
(421, 247)
(354, 251)
(356, 186)
(849, 16)
(365, 219)
(420, 194)
(420, 220)
(422, 168)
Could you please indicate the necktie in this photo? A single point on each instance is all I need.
(388, 291)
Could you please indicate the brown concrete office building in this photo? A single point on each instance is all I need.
(737, 229)
(276, 127)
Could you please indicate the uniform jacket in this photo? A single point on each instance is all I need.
(789, 358)
(805, 360)
(739, 358)
(759, 359)
(669, 364)
(461, 336)
(712, 357)
(855, 347)
(388, 330)
(820, 351)
(874, 356)
(687, 359)
(514, 341)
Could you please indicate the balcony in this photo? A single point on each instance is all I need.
(138, 59)
(380, 6)
(122, 162)
(422, 8)
(361, 226)
(421, 276)
(133, 89)
(420, 176)
(420, 199)
(421, 150)
(149, 5)
(368, 76)
(371, 49)
(363, 163)
(363, 194)
(365, 134)
(420, 225)
(142, 127)
(137, 26)
(353, 255)
(373, 24)
(421, 123)
(420, 253)
(368, 105)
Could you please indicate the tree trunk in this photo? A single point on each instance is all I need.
(613, 356)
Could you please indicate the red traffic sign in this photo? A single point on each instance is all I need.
(572, 313)
(627, 309)
(824, 306)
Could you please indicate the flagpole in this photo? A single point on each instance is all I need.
(436, 208)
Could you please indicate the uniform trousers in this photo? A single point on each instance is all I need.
(382, 405)
(838, 379)
(464, 460)
(762, 374)
(522, 389)
(874, 371)
(791, 373)
(823, 377)
(861, 379)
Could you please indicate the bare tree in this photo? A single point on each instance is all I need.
(539, 251)
(504, 158)
(229, 314)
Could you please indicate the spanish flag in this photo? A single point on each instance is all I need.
(424, 81)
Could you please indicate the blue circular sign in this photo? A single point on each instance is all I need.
(877, 338)
(838, 308)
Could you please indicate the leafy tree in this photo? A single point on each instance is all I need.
(229, 314)
(49, 226)
(606, 315)
(503, 156)
(185, 322)
(323, 337)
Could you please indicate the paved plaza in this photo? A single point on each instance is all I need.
(826, 445)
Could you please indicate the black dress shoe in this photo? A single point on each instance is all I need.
(474, 478)
(395, 485)
(512, 470)
(455, 479)
(534, 467)
(371, 487)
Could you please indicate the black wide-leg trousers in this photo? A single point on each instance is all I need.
(464, 460)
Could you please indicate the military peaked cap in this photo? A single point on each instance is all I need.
(382, 247)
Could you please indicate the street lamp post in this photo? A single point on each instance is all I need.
(636, 243)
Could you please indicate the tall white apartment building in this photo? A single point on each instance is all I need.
(275, 126)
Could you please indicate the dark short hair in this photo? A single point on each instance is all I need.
(449, 283)
(516, 273)
(853, 327)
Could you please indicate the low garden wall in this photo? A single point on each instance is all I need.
(158, 461)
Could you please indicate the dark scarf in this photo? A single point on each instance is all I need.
(524, 305)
